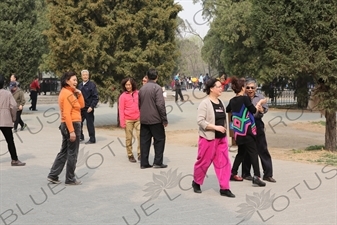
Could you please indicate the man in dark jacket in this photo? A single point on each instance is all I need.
(153, 120)
(177, 83)
(261, 141)
(90, 94)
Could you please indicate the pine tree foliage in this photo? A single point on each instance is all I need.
(21, 41)
(293, 39)
(113, 39)
(300, 39)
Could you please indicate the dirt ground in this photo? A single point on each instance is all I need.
(288, 144)
(292, 149)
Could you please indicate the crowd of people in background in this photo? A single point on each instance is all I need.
(197, 82)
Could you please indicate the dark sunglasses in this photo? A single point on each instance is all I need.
(248, 87)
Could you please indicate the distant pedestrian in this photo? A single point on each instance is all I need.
(206, 78)
(129, 115)
(213, 143)
(153, 121)
(8, 109)
(15, 78)
(177, 83)
(20, 100)
(90, 94)
(34, 90)
(201, 81)
(145, 79)
(70, 102)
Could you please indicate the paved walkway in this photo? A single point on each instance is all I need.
(115, 191)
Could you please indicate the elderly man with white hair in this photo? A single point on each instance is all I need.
(90, 94)
(261, 141)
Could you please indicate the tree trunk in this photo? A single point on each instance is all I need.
(330, 130)
(302, 93)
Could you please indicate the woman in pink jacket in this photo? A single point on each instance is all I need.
(129, 115)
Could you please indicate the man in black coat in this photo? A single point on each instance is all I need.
(90, 94)
(261, 141)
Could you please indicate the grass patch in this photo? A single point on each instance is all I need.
(297, 151)
(322, 123)
(314, 147)
(328, 159)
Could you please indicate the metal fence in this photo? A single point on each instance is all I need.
(281, 98)
(51, 85)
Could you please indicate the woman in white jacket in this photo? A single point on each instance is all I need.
(213, 143)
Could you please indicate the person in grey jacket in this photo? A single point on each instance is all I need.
(153, 120)
(8, 108)
(213, 143)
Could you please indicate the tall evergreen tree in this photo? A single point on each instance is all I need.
(294, 39)
(113, 39)
(212, 50)
(21, 41)
(300, 39)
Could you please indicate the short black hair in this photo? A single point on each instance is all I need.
(132, 81)
(65, 77)
(2, 81)
(152, 74)
(209, 84)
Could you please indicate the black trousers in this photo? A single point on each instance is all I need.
(90, 119)
(262, 150)
(18, 120)
(33, 96)
(7, 132)
(157, 131)
(178, 92)
(250, 150)
(68, 153)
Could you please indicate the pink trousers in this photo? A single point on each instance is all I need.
(216, 152)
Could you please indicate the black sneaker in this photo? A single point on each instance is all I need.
(146, 166)
(227, 192)
(269, 179)
(159, 166)
(196, 187)
(249, 177)
(54, 181)
(23, 127)
(77, 182)
(258, 181)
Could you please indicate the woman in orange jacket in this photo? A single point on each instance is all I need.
(70, 102)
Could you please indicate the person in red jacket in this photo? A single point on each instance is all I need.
(34, 89)
(129, 115)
